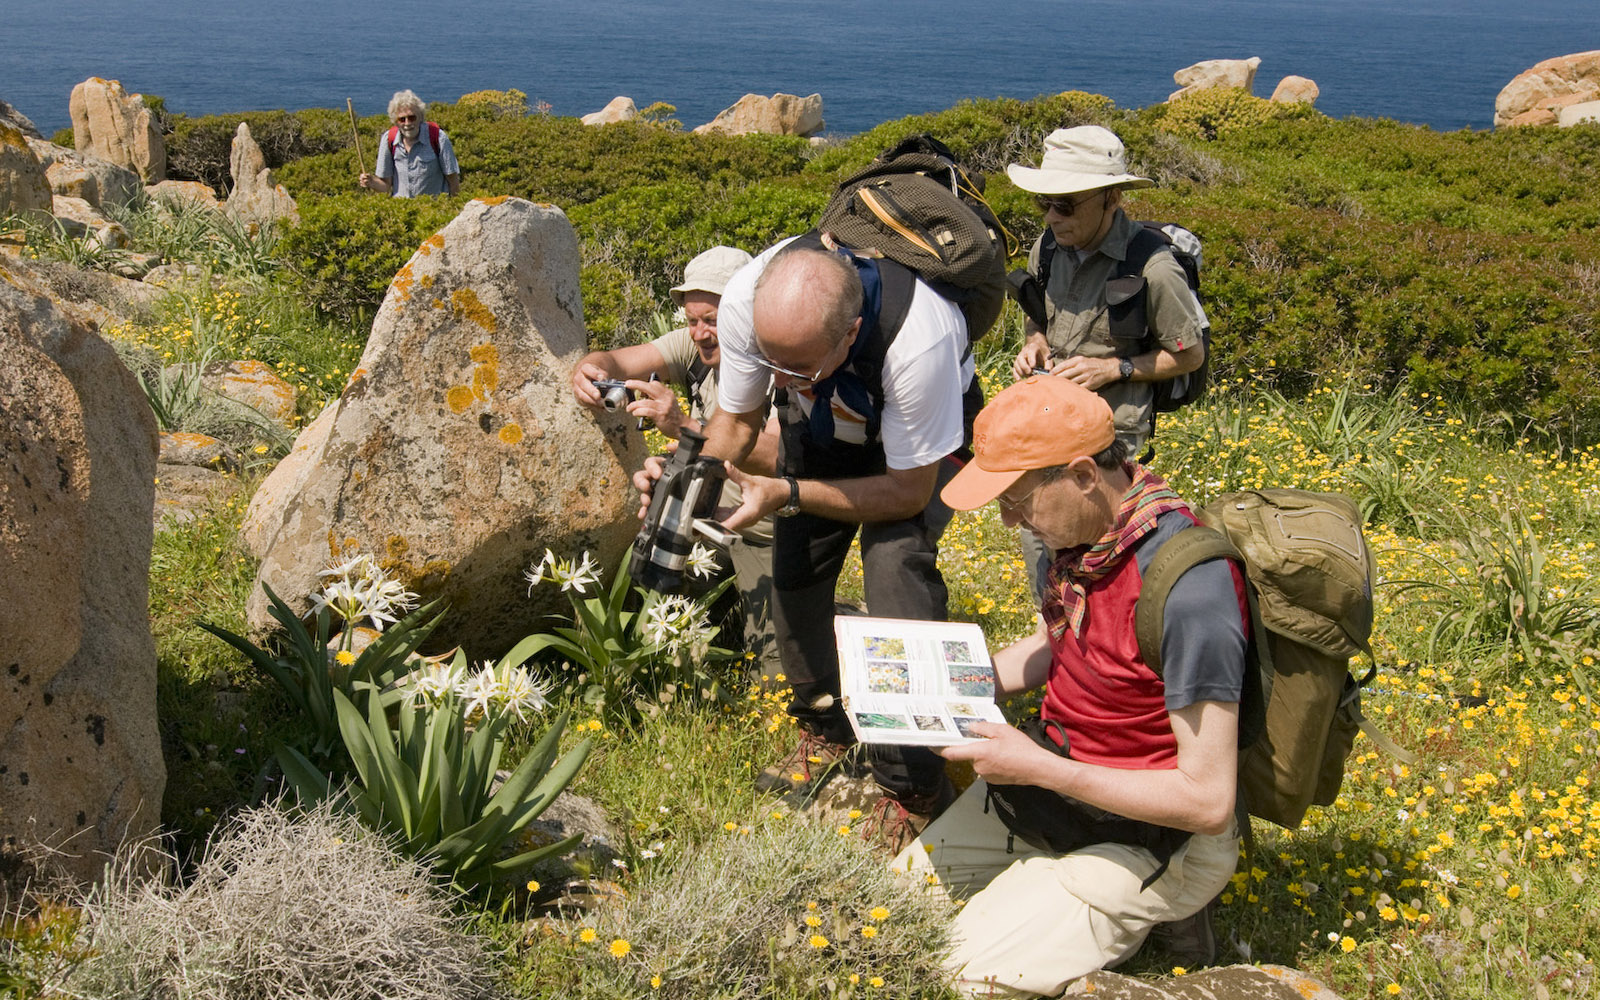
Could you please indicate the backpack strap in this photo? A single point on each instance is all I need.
(1128, 314)
(698, 372)
(433, 140)
(1178, 554)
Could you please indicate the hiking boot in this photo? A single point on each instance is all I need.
(1189, 942)
(895, 823)
(811, 763)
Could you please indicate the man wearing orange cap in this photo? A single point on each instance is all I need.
(1131, 773)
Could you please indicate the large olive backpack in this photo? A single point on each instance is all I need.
(1309, 578)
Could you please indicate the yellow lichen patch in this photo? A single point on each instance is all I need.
(484, 380)
(432, 243)
(497, 199)
(459, 398)
(402, 282)
(12, 137)
(426, 281)
(468, 306)
(511, 433)
(484, 354)
(355, 376)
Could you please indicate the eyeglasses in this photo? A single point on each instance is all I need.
(1065, 207)
(405, 118)
(773, 366)
(1009, 504)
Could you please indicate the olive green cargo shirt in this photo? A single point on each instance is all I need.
(1080, 320)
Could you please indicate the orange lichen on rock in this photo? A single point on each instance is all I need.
(495, 200)
(468, 306)
(511, 434)
(402, 282)
(432, 243)
(459, 397)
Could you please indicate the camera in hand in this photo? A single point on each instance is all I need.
(614, 393)
(686, 493)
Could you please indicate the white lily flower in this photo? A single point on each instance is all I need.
(542, 571)
(702, 561)
(479, 691)
(437, 682)
(521, 692)
(580, 575)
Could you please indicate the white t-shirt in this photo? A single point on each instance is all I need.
(925, 371)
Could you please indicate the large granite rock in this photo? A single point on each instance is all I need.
(456, 454)
(621, 109)
(114, 125)
(1579, 113)
(1535, 96)
(99, 182)
(80, 756)
(1296, 90)
(780, 114)
(1232, 982)
(257, 196)
(1214, 73)
(23, 184)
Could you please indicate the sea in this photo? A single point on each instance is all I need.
(1438, 63)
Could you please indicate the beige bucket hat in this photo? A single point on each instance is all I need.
(1085, 158)
(710, 271)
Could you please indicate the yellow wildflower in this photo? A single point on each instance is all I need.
(818, 941)
(587, 935)
(620, 947)
(869, 931)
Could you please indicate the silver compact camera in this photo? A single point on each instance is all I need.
(614, 393)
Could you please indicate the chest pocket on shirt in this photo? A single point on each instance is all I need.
(1125, 311)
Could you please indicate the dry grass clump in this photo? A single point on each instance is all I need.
(781, 908)
(306, 906)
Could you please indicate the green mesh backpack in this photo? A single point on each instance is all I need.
(1309, 580)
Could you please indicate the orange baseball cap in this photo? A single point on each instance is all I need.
(1041, 421)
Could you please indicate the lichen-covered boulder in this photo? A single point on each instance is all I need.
(114, 125)
(456, 454)
(254, 384)
(1232, 982)
(24, 187)
(1213, 73)
(1535, 96)
(257, 196)
(621, 109)
(80, 755)
(80, 175)
(9, 115)
(183, 194)
(780, 114)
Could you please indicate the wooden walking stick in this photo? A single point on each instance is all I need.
(355, 133)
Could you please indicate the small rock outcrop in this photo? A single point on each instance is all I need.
(9, 115)
(79, 218)
(1212, 73)
(780, 114)
(24, 187)
(183, 193)
(621, 109)
(82, 755)
(456, 454)
(1231, 982)
(1574, 114)
(1536, 95)
(99, 182)
(254, 384)
(114, 125)
(257, 196)
(1296, 90)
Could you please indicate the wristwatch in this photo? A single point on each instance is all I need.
(791, 508)
(1124, 369)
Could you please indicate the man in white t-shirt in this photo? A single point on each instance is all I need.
(878, 388)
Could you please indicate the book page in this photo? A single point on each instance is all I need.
(918, 683)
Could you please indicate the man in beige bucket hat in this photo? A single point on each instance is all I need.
(689, 356)
(1078, 186)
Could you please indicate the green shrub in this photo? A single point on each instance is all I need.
(1220, 111)
(198, 149)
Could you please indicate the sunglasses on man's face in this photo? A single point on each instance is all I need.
(405, 118)
(1065, 207)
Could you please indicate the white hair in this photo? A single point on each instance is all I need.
(407, 99)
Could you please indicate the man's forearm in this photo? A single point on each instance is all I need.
(892, 496)
(732, 436)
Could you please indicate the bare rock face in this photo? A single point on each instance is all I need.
(257, 196)
(183, 193)
(456, 454)
(621, 109)
(9, 115)
(254, 384)
(1574, 114)
(23, 184)
(80, 175)
(780, 114)
(81, 755)
(1535, 94)
(1232, 982)
(114, 125)
(1296, 90)
(1213, 73)
(80, 218)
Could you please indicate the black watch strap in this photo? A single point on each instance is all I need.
(791, 508)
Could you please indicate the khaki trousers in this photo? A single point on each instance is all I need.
(1033, 921)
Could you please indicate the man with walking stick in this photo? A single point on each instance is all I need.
(414, 155)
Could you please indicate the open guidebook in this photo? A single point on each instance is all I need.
(915, 682)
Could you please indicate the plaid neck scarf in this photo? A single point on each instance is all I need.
(1065, 598)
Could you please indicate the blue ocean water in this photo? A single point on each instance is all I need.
(1433, 62)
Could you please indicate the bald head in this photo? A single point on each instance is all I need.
(806, 303)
